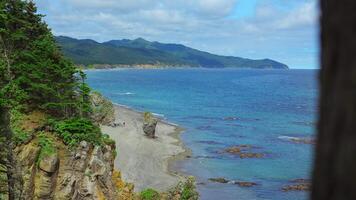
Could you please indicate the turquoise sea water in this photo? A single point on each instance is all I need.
(264, 108)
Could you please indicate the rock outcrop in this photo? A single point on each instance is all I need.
(103, 109)
(84, 173)
(149, 125)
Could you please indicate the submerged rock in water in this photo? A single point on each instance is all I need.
(233, 150)
(237, 149)
(251, 155)
(244, 183)
(242, 151)
(239, 183)
(231, 118)
(298, 185)
(303, 140)
(219, 180)
(298, 140)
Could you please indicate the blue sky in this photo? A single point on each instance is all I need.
(284, 30)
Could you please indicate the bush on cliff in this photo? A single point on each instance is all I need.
(149, 194)
(72, 131)
(47, 146)
(185, 190)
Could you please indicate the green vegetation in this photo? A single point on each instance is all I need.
(105, 138)
(142, 52)
(102, 110)
(189, 190)
(149, 194)
(37, 82)
(47, 146)
(147, 116)
(19, 135)
(185, 190)
(75, 130)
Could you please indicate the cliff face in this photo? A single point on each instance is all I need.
(86, 172)
(103, 109)
(46, 168)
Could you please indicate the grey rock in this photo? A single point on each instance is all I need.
(49, 163)
(149, 128)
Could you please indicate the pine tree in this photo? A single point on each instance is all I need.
(34, 75)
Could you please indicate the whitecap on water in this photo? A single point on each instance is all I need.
(124, 93)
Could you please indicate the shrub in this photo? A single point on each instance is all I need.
(19, 134)
(149, 194)
(75, 130)
(105, 138)
(46, 144)
(147, 116)
(189, 190)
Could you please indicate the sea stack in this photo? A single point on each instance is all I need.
(149, 125)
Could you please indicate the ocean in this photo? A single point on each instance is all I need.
(220, 108)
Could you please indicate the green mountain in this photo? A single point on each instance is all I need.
(143, 52)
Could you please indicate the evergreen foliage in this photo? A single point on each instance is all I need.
(35, 76)
(35, 73)
(75, 130)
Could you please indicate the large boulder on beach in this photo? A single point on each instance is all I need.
(103, 111)
(149, 125)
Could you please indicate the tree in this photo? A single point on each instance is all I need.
(334, 174)
(34, 75)
(84, 89)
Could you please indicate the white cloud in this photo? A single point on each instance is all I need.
(306, 15)
(203, 24)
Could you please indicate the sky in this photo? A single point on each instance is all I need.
(283, 30)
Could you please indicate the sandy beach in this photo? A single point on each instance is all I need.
(141, 160)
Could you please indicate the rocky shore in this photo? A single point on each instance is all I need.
(142, 160)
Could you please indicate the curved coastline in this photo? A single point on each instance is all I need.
(147, 163)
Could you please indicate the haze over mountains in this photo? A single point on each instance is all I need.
(142, 52)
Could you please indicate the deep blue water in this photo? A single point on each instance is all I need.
(266, 104)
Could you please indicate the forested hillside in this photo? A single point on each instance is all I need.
(143, 52)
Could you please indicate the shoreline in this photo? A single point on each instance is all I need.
(145, 162)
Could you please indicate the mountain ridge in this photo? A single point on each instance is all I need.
(140, 52)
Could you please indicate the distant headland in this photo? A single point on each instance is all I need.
(145, 54)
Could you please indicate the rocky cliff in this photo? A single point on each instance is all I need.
(103, 111)
(46, 168)
(85, 172)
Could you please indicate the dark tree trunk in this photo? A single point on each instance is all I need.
(8, 148)
(335, 163)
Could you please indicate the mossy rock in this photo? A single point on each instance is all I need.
(103, 111)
